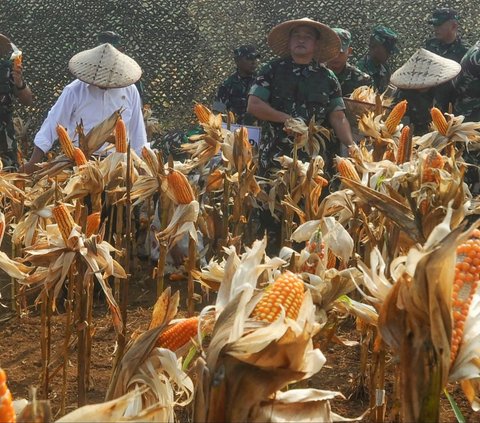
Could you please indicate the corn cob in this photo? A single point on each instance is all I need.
(404, 153)
(64, 220)
(180, 187)
(79, 157)
(439, 120)
(433, 160)
(7, 412)
(65, 142)
(179, 334)
(203, 113)
(286, 291)
(93, 223)
(396, 116)
(120, 136)
(149, 157)
(389, 155)
(467, 277)
(331, 260)
(346, 169)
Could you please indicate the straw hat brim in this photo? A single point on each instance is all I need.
(328, 46)
(105, 67)
(425, 70)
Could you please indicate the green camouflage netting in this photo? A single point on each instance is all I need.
(185, 47)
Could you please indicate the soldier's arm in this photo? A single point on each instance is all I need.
(20, 88)
(340, 125)
(263, 111)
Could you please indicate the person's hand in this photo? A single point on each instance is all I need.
(177, 255)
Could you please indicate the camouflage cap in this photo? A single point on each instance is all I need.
(247, 51)
(387, 37)
(443, 14)
(110, 37)
(345, 38)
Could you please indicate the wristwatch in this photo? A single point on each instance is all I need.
(24, 85)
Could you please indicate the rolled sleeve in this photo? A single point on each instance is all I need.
(261, 87)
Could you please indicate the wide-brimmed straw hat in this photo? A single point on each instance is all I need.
(424, 70)
(328, 46)
(105, 67)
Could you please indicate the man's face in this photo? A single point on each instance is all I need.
(340, 61)
(246, 65)
(378, 52)
(446, 31)
(303, 42)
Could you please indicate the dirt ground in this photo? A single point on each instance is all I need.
(20, 356)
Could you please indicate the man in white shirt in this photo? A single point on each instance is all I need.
(105, 83)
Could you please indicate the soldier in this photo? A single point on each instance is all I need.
(349, 76)
(446, 43)
(467, 103)
(297, 85)
(233, 93)
(382, 44)
(12, 86)
(415, 80)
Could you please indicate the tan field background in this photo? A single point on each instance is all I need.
(185, 47)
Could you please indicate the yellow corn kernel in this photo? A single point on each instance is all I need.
(93, 223)
(120, 136)
(64, 220)
(65, 142)
(405, 146)
(287, 291)
(79, 157)
(7, 412)
(203, 113)
(439, 120)
(346, 169)
(433, 160)
(179, 187)
(151, 160)
(179, 334)
(467, 277)
(395, 116)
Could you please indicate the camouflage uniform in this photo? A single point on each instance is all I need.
(351, 78)
(302, 91)
(380, 73)
(418, 110)
(444, 94)
(232, 96)
(8, 145)
(467, 103)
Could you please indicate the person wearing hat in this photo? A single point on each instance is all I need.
(349, 76)
(115, 39)
(232, 94)
(467, 103)
(105, 83)
(416, 80)
(297, 85)
(12, 86)
(446, 43)
(382, 44)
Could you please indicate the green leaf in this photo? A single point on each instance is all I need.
(455, 408)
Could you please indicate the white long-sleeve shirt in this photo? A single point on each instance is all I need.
(80, 101)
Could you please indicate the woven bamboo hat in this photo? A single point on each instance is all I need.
(328, 46)
(424, 70)
(105, 67)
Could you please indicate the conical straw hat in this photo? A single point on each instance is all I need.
(105, 67)
(424, 70)
(328, 46)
